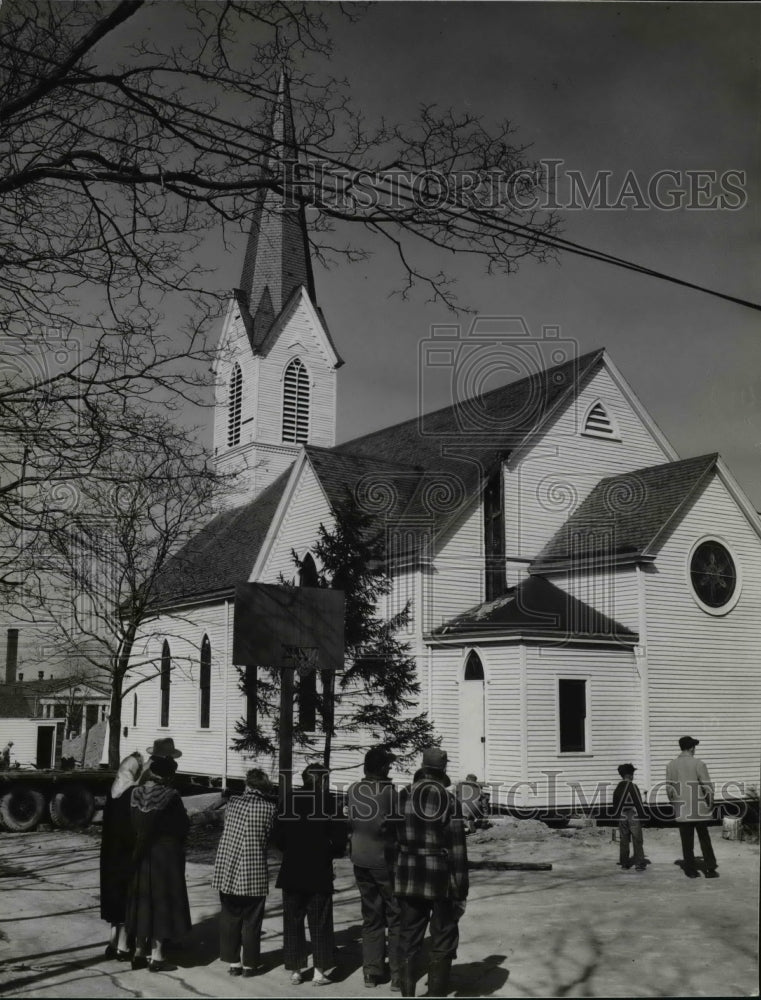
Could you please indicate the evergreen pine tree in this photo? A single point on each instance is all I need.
(378, 686)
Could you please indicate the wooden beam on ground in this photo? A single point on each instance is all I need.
(510, 866)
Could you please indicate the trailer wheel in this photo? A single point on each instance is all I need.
(21, 809)
(72, 807)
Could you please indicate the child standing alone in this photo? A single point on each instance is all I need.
(629, 810)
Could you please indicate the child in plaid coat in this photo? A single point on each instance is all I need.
(240, 873)
(431, 875)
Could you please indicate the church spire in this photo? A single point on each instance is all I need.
(277, 260)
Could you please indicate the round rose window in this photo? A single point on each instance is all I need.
(713, 574)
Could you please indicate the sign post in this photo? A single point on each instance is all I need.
(288, 628)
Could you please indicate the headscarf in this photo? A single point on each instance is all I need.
(127, 775)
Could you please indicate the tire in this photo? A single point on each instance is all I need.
(21, 809)
(72, 807)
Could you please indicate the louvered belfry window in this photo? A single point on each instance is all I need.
(234, 406)
(296, 402)
(598, 422)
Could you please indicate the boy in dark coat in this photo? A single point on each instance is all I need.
(629, 810)
(310, 834)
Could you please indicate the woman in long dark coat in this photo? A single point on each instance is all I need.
(116, 848)
(158, 910)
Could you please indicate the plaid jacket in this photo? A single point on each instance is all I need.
(241, 865)
(432, 859)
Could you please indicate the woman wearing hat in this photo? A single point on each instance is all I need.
(158, 908)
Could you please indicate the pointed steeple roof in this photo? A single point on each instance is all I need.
(277, 260)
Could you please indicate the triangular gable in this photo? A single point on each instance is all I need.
(290, 491)
(300, 299)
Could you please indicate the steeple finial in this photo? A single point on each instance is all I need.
(277, 259)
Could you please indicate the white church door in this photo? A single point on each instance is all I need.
(472, 719)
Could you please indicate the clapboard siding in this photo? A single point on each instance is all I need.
(614, 720)
(262, 454)
(298, 339)
(203, 749)
(614, 593)
(704, 670)
(545, 484)
(23, 734)
(308, 508)
(455, 582)
(446, 671)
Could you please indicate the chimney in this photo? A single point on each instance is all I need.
(11, 656)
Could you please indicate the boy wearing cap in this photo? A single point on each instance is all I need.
(373, 813)
(690, 792)
(629, 810)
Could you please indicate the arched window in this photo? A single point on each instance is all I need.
(234, 403)
(296, 402)
(204, 682)
(474, 669)
(166, 681)
(308, 576)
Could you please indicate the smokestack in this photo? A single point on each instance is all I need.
(11, 656)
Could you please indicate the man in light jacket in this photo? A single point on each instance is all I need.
(373, 812)
(690, 792)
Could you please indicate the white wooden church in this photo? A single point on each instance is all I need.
(581, 596)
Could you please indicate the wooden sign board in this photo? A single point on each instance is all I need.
(269, 619)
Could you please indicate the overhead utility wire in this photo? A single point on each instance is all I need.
(569, 246)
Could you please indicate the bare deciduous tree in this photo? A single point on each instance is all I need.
(96, 570)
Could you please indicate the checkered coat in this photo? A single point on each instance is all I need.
(432, 859)
(241, 865)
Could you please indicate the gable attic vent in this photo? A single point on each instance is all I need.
(234, 406)
(599, 423)
(296, 402)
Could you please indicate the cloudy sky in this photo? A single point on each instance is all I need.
(602, 87)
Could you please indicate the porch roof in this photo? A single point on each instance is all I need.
(535, 608)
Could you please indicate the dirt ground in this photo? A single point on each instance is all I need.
(584, 929)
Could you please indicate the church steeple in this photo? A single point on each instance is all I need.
(277, 259)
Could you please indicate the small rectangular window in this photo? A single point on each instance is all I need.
(572, 715)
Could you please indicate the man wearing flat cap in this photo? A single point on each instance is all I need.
(431, 875)
(690, 792)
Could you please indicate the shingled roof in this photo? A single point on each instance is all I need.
(626, 514)
(450, 438)
(223, 552)
(535, 608)
(416, 474)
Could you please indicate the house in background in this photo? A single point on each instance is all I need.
(580, 595)
(75, 707)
